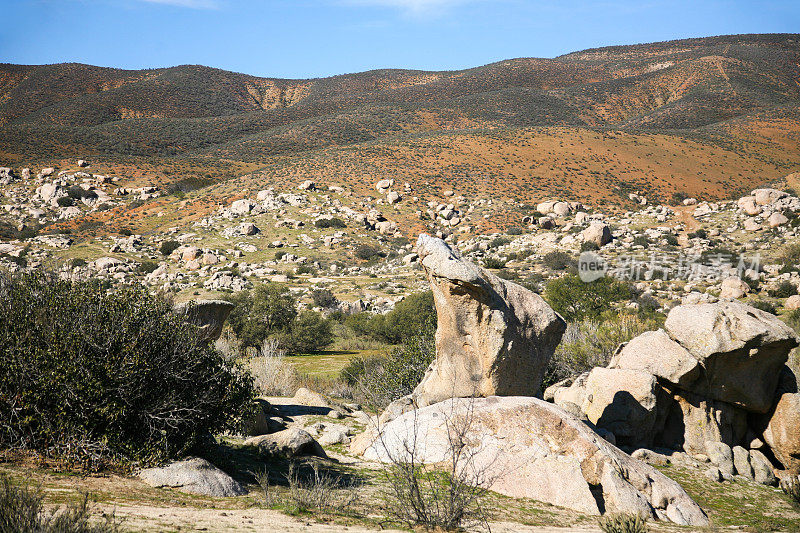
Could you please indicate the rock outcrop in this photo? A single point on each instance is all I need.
(208, 315)
(194, 475)
(526, 447)
(741, 349)
(494, 337)
(710, 375)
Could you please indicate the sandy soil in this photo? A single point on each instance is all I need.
(152, 518)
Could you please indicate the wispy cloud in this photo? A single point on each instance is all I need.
(191, 4)
(414, 7)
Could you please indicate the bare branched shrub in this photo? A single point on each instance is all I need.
(319, 492)
(273, 375)
(450, 495)
(623, 523)
(22, 511)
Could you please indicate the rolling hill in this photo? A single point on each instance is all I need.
(706, 116)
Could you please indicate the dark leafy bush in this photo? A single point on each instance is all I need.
(334, 222)
(764, 305)
(22, 511)
(412, 314)
(589, 246)
(65, 201)
(309, 332)
(167, 247)
(641, 240)
(77, 193)
(324, 298)
(367, 252)
(671, 239)
(699, 234)
(576, 300)
(784, 289)
(558, 260)
(305, 269)
(89, 375)
(498, 242)
(145, 267)
(267, 309)
(514, 230)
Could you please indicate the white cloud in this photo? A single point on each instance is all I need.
(413, 7)
(192, 4)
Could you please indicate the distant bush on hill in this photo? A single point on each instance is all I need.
(91, 376)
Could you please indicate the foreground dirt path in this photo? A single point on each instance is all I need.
(154, 518)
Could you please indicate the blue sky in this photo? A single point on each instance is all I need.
(308, 38)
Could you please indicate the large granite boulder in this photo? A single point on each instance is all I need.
(494, 337)
(782, 434)
(526, 447)
(208, 315)
(194, 475)
(740, 348)
(656, 353)
(621, 401)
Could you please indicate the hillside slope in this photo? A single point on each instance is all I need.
(727, 91)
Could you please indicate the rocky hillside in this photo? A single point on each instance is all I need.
(737, 94)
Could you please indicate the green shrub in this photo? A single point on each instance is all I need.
(65, 201)
(381, 380)
(641, 240)
(410, 315)
(623, 523)
(699, 234)
(77, 192)
(498, 242)
(589, 246)
(89, 375)
(324, 223)
(576, 300)
(77, 262)
(671, 239)
(145, 267)
(22, 511)
(366, 252)
(305, 269)
(590, 343)
(324, 298)
(558, 260)
(514, 230)
(268, 311)
(494, 262)
(167, 247)
(279, 255)
(309, 332)
(784, 289)
(764, 305)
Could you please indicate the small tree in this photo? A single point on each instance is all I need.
(575, 299)
(267, 309)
